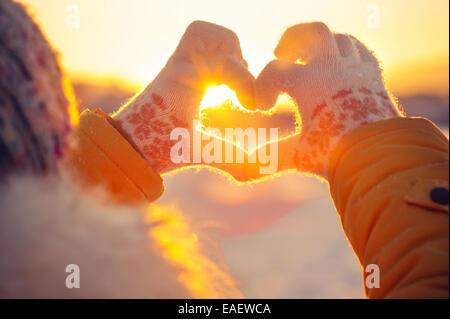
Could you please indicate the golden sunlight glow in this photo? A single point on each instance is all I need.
(217, 95)
(180, 246)
(73, 105)
(298, 61)
(285, 102)
(222, 103)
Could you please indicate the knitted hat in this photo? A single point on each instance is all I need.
(34, 96)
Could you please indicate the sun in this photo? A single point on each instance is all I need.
(217, 95)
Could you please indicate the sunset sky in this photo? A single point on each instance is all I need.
(130, 41)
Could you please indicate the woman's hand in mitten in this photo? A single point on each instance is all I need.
(336, 83)
(207, 54)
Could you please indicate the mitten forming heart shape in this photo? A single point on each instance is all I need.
(333, 78)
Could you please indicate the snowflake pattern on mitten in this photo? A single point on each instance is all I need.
(207, 54)
(336, 83)
(149, 121)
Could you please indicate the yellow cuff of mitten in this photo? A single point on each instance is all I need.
(100, 155)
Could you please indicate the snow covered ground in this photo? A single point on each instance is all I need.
(281, 238)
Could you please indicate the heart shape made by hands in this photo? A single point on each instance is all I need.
(221, 109)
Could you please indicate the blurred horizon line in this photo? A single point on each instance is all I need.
(409, 79)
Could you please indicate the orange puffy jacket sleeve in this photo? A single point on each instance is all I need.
(389, 183)
(99, 155)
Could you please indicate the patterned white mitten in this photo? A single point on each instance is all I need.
(207, 55)
(336, 83)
